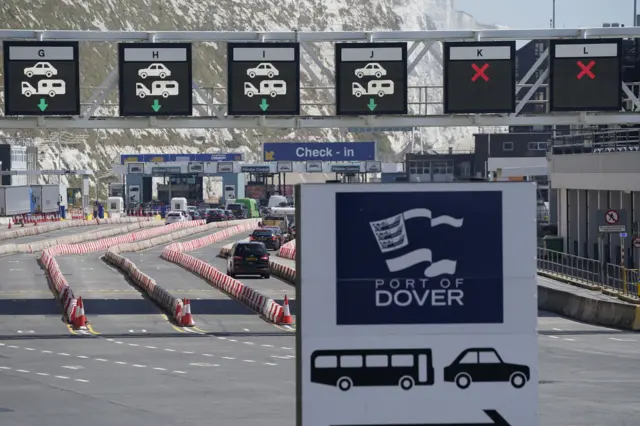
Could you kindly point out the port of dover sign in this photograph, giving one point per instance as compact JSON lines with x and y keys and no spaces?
{"x":417,"y":305}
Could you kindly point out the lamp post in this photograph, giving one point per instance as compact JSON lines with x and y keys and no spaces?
{"x":553,"y":14}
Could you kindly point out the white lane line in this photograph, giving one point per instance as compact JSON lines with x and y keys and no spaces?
{"x":284,"y":347}
{"x":120,"y":362}
{"x":29,"y":349}
{"x":556,"y":329}
{"x":570,"y":340}
{"x":248,"y":343}
{"x":554,"y":337}
{"x":5,"y":368}
{"x":63,"y":354}
{"x":248,"y":360}
{"x":227,"y":357}
{"x":151,"y":347}
{"x":622,"y":340}
{"x":100,"y":359}
{"x":170,"y":350}
{"x":82,"y":356}
{"x":81,"y":380}
{"x":232,"y":340}
{"x":42,"y":374}
{"x":133,"y":344}
{"x":179,"y":372}
{"x":160,"y":369}
{"x":1,"y":344}
{"x":47,"y":352}
{"x":188,"y":352}
{"x":61,"y":377}
{"x":12,"y":346}
{"x":139,"y":366}
{"x":222,"y":338}
{"x":207,"y":355}
{"x":23,"y":371}
{"x":267,"y":346}
{"x":270,"y":363}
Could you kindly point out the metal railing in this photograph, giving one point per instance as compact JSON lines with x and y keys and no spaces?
{"x":594,"y":142}
{"x":590,"y":272}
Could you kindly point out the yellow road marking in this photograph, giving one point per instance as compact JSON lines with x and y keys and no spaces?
{"x":200,"y":330}
{"x":175,"y":327}
{"x":91,"y":330}
{"x":71,"y":330}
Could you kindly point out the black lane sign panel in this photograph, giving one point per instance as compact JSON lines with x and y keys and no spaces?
{"x":479,"y":77}
{"x":155,"y":79}
{"x":263,"y":78}
{"x":41,"y":78}
{"x":371,"y":78}
{"x":586,"y":75}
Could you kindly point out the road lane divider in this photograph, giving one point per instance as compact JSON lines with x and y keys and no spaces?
{"x":41,"y":229}
{"x":288,"y":250}
{"x":284,"y":272}
{"x":10,"y":249}
{"x":59,"y":284}
{"x":171,"y":305}
{"x":176,"y":253}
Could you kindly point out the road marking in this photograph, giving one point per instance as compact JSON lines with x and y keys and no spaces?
{"x":47,"y":352}
{"x":139,"y":366}
{"x":570,"y":340}
{"x":159,"y":368}
{"x":248,"y":360}
{"x":73,"y":367}
{"x":228,"y":357}
{"x":120,"y":362}
{"x":248,"y":343}
{"x":180,"y":372}
{"x":188,"y":352}
{"x":5,"y":368}
{"x":270,"y":363}
{"x":267,"y":346}
{"x":133,"y":344}
{"x":83,"y":356}
{"x":284,"y":347}
{"x":207,"y":355}
{"x":23,"y":371}
{"x":100,"y":359}
{"x":42,"y":374}
{"x":246,"y":329}
{"x":62,"y":377}
{"x":29,"y":349}
{"x":151,"y":347}
{"x":622,"y":340}
{"x":13,"y":347}
{"x":557,"y":329}
{"x":554,"y":337}
{"x":170,"y":350}
{"x":81,"y":380}
{"x":63,"y":354}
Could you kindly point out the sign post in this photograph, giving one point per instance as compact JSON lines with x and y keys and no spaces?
{"x":612,"y":221}
{"x":406,"y":314}
{"x":41,"y":78}
{"x":586,"y":75}
{"x":371,"y":78}
{"x":263,"y":78}
{"x":479,"y":77}
{"x":155,"y":79}
{"x":322,"y":151}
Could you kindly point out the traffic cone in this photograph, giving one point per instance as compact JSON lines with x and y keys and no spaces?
{"x":187,"y":319}
{"x":287,"y":319}
{"x":10,"y":223}
{"x":80,"y":320}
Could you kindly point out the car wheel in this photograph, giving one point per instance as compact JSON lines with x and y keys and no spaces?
{"x":165,"y":94}
{"x":143,"y":75}
{"x":381,"y":93}
{"x":406,"y":383}
{"x":52,"y":94}
{"x":142,"y":95}
{"x":344,"y":383}
{"x":378,"y":74}
{"x":274,"y":94}
{"x":252,"y":74}
{"x":29,"y":74}
{"x":359,"y":75}
{"x":463,"y":380}
{"x":358,"y":94}
{"x":27,"y":93}
{"x":49,"y":74}
{"x":266,"y":276}
{"x":518,"y":380}
{"x":162,"y":75}
{"x":270,"y":75}
{"x":250,"y":94}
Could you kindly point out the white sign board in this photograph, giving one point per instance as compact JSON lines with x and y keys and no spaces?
{"x":442,"y":331}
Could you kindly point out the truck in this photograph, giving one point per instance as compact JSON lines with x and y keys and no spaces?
{"x":15,"y":200}
{"x":46,"y":198}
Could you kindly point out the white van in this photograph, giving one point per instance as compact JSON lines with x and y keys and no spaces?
{"x":276,"y":200}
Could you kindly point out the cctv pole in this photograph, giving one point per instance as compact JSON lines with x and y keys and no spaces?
{"x":553,"y":14}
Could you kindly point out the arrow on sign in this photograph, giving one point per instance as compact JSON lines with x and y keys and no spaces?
{"x":372,"y":104}
{"x":496,"y":420}
{"x":264,"y":105}
{"x":156,"y":105}
{"x":43,"y":105}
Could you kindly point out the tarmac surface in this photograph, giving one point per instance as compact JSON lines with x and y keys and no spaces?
{"x":166,"y":377}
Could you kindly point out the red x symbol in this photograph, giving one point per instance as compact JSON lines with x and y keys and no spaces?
{"x":479,"y":72}
{"x":586,"y":70}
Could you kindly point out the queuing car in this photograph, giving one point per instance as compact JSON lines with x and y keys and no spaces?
{"x":485,"y":365}
{"x":176,"y":216}
{"x":271,"y":237}
{"x":248,"y":258}
{"x":216,"y":215}
{"x":229,"y":214}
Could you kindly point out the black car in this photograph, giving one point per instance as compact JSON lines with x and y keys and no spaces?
{"x":248,"y":258}
{"x":216,"y":215}
{"x":485,"y":365}
{"x":272,"y":238}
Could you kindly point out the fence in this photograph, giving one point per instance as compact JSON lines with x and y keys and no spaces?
{"x":590,"y":272}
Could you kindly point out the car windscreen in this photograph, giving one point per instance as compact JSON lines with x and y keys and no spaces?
{"x":235,"y":206}
{"x":256,"y":249}
{"x":263,"y":233}
{"x":173,"y":215}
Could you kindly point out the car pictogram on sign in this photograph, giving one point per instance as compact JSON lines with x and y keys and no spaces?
{"x":41,"y":68}
{"x":611,"y":217}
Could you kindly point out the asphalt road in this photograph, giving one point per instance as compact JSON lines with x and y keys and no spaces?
{"x":59,"y":233}
{"x":214,"y":312}
{"x":272,"y":287}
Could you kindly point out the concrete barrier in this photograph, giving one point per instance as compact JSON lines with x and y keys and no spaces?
{"x":284,"y":272}
{"x":170,"y":304}
{"x":10,"y":249}
{"x":288,"y":250}
{"x":61,"y":287}
{"x":41,"y":229}
{"x":176,"y":253}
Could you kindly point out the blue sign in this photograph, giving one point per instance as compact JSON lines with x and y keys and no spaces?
{"x":419,"y":258}
{"x":168,"y":158}
{"x":324,"y":151}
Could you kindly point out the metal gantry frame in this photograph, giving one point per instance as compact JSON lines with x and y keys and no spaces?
{"x":212,"y":113}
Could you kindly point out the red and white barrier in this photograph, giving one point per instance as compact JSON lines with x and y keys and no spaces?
{"x":172,"y":305}
{"x":63,"y":291}
{"x":284,"y":272}
{"x":176,"y":253}
{"x":288,"y":250}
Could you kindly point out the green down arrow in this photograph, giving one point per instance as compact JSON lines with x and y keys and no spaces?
{"x":372,"y":104}
{"x":43,"y":105}
{"x":264,"y":105}
{"x":156,"y":105}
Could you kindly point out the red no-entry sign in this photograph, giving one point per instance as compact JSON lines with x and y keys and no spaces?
{"x":480,"y":72}
{"x":585,"y":70}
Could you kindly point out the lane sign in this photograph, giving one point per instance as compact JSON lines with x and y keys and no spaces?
{"x":371,"y":78}
{"x":41,"y":78}
{"x":263,"y":78}
{"x":586,"y":75}
{"x":479,"y":77}
{"x":611,"y":217}
{"x":155,"y":79}
{"x":415,"y":318}
{"x":636,"y":242}
{"x":612,"y":221}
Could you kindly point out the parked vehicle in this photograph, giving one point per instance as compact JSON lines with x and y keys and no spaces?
{"x":176,"y":216}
